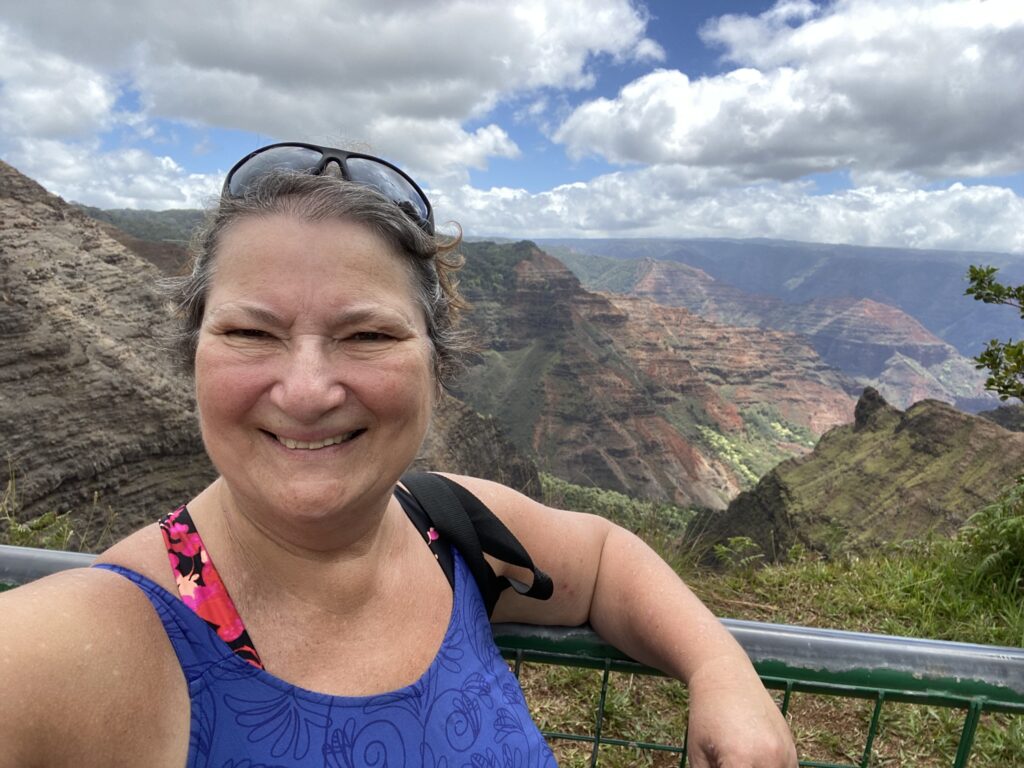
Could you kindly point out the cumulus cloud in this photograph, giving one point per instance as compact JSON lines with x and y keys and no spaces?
{"x":897,"y":96}
{"x":675,"y":201}
{"x":929,"y":87}
{"x":82,"y":173}
{"x":352,"y":71}
{"x":47,"y":95}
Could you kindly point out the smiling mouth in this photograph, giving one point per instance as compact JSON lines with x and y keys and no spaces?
{"x":300,"y":445}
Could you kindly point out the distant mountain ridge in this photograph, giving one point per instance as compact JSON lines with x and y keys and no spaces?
{"x":172,"y":226}
{"x":875,"y":344}
{"x":926,"y":284}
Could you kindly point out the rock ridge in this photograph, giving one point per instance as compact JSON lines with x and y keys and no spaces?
{"x":889,"y":477}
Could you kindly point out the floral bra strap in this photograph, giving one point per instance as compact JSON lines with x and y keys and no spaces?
{"x":200,"y":586}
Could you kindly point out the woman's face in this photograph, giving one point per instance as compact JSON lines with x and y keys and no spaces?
{"x":313,"y":367}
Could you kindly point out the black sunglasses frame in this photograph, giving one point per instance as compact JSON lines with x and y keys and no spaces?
{"x":341,"y":156}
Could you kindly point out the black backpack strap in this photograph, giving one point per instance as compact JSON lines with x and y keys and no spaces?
{"x":474,"y":529}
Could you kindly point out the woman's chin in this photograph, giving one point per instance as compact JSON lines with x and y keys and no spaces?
{"x":325,"y":505}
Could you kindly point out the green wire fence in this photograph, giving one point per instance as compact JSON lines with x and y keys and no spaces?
{"x":884,"y":670}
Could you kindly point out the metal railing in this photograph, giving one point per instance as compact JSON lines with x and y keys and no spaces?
{"x":882,"y":669}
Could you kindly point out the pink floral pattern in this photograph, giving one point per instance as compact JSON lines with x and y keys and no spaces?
{"x":200,"y":586}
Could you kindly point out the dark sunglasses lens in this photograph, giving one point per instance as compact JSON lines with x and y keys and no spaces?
{"x":299,"y":159}
{"x":390,"y":183}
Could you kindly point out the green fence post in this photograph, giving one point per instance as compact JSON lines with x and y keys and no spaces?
{"x":872,"y":730}
{"x":963,"y":752}
{"x":600,"y":713}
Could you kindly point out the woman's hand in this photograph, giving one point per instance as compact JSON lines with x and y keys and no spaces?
{"x":734,"y":723}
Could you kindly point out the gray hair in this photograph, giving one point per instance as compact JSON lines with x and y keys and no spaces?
{"x":432,"y":260}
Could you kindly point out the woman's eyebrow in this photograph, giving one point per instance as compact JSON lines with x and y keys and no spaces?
{"x":364,"y":314}
{"x":260,"y":314}
{"x":351,"y":316}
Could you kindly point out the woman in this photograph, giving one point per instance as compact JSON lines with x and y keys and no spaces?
{"x":304,"y":619}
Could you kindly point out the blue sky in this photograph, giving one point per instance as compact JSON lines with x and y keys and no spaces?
{"x":876,"y":122}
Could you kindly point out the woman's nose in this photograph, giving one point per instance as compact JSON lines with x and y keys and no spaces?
{"x":309,"y":385}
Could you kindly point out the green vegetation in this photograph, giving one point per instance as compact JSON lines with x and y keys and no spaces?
{"x":657,"y":523}
{"x":53,"y":530}
{"x":500,"y":387}
{"x":896,"y":476}
{"x":964,"y":588}
{"x":490,"y":268}
{"x":767,"y":438}
{"x":993,"y":543}
{"x":598,"y":273}
{"x":732,"y":452}
{"x":1004,"y":360}
{"x":174,"y":226}
{"x":739,"y":553}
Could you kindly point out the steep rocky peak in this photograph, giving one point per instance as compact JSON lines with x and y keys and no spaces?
{"x":541,"y":268}
{"x":872,"y":411}
{"x":17,"y":186}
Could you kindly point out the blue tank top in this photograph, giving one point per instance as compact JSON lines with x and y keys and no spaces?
{"x":466,"y":711}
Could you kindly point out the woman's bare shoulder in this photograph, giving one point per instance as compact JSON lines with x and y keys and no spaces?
{"x":145,"y":553}
{"x":68,"y":642}
{"x":81,"y":618}
{"x":566,"y":545}
{"x":66,"y":600}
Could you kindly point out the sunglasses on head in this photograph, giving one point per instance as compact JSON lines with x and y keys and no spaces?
{"x":358,"y":168}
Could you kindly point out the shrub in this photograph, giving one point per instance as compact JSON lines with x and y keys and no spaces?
{"x":992,"y":541}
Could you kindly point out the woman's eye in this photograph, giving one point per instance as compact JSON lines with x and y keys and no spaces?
{"x":370,"y":336}
{"x":248,"y":333}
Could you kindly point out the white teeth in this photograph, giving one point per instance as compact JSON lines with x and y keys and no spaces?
{"x":304,"y":446}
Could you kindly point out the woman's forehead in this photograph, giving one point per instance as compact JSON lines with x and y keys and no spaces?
{"x":295,"y":246}
{"x":285,"y":263}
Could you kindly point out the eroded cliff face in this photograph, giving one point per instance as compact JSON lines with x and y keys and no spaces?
{"x":93,"y":414}
{"x":91,"y":408}
{"x":890,"y":476}
{"x":626,"y":394}
{"x":462,"y":441}
{"x":874,"y":343}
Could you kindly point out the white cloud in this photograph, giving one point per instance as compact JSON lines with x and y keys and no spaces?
{"x":355,"y":70}
{"x":901,"y":95}
{"x":674,"y":201}
{"x":931,"y":87}
{"x":47,"y":95}
{"x":129,"y":178}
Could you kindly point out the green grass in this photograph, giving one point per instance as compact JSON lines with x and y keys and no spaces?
{"x":88,"y":531}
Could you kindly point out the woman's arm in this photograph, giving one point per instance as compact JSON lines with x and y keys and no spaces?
{"x":608,"y":577}
{"x":87,"y":677}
